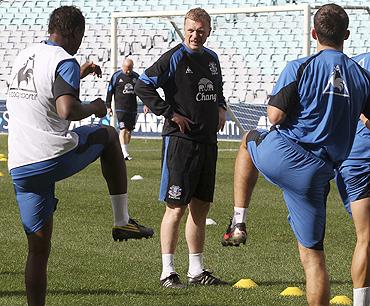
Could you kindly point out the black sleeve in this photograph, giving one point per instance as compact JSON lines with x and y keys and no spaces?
{"x":366,"y":110}
{"x":150,"y":97}
{"x":153,"y":77}
{"x":61,"y":88}
{"x":221,"y":99}
{"x":286,"y":99}
{"x":110,"y":91}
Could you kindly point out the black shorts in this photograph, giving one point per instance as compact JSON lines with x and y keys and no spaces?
{"x":188,"y":170}
{"x":126,"y":120}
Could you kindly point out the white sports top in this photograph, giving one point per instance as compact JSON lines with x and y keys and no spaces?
{"x":36,"y":132}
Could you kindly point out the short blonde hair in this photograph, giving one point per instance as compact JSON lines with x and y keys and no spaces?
{"x":198,"y":14}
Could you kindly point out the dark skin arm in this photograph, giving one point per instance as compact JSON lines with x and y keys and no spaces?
{"x":69,"y":108}
{"x":90,"y":68}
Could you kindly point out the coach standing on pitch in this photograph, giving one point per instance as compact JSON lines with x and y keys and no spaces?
{"x":121,"y":86}
{"x":194,"y":108}
{"x":314,"y":107}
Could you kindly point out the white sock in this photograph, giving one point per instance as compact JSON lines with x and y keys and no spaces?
{"x":361,"y":296}
{"x":120,"y":209}
{"x":195,"y":264}
{"x":168,"y":265}
{"x":124,"y":148}
{"x":240,"y":215}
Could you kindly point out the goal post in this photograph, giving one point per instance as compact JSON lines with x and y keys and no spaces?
{"x":253,"y":44}
{"x":248,"y":10}
{"x":171,"y":14}
{"x":305,"y":8}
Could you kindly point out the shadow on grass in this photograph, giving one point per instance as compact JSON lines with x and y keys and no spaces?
{"x":295,"y":282}
{"x":115,"y":292}
{"x":12,"y":293}
{"x":11,"y":273}
{"x":155,"y":292}
{"x":279,"y":282}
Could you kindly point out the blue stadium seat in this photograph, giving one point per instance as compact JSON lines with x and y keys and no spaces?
{"x":246,"y":46}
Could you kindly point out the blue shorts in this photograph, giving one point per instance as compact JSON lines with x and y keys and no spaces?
{"x":353,"y":175}
{"x":303,"y":177}
{"x":34,"y":184}
{"x":353,"y":181}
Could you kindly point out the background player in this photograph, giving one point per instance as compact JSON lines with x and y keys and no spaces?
{"x":121,"y":86}
{"x":353,"y":181}
{"x":191,"y":78}
{"x":42,"y":100}
{"x":316,"y":103}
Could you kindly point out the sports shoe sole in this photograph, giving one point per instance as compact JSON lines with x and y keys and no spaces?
{"x":115,"y":238}
{"x":136,"y":238}
{"x":232,"y":243}
{"x":235,"y":241}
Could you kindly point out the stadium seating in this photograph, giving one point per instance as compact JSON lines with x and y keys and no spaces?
{"x":251,"y":51}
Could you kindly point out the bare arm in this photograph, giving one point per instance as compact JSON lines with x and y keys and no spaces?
{"x":221,"y":118}
{"x":90,"y":68}
{"x":365,"y":121}
{"x":69,"y":108}
{"x":146,"y":109}
{"x":182,"y":122}
{"x":275,"y":115}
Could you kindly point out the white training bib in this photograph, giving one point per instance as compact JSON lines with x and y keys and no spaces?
{"x":36,"y":132}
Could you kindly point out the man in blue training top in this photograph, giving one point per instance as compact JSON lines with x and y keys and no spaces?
{"x":314,"y":107}
{"x":194,"y":108}
{"x":353,"y":181}
{"x":43,"y":98}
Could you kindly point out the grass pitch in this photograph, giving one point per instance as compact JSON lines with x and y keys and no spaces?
{"x":86,"y":267}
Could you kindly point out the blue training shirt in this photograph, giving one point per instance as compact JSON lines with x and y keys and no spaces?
{"x":323,"y":96}
{"x":361,"y":145}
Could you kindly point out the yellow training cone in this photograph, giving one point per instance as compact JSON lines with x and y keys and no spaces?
{"x":292,"y":291}
{"x":341,"y":300}
{"x":245,"y":283}
{"x":3,"y":159}
{"x":2,"y":155}
{"x":1,"y":174}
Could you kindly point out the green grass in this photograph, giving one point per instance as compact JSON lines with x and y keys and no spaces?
{"x":87,"y":268}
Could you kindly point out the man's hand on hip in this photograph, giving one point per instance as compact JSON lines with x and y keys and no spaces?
{"x":182,"y":122}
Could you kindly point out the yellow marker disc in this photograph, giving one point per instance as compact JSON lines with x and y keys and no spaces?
{"x":245,"y":283}
{"x":341,"y":300}
{"x":292,"y":291}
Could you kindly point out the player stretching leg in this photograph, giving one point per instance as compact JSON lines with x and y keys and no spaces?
{"x":236,"y":232}
{"x":43,"y":98}
{"x":314,"y":107}
{"x":353,"y":181}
